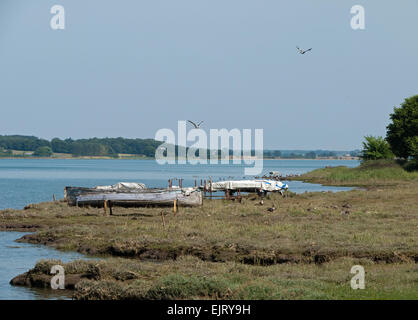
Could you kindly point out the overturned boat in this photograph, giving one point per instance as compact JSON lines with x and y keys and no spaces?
{"x":132,"y":195}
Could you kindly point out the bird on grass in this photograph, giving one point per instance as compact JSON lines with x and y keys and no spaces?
{"x":271,"y":209}
{"x":302,"y":51}
{"x":197,"y":126}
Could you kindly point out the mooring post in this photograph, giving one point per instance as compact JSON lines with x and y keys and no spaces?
{"x":105,"y":206}
{"x":162,"y":218}
{"x":204,"y":188}
{"x":110,"y":208}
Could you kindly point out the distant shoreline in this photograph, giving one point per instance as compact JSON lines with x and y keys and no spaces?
{"x":146,"y":158}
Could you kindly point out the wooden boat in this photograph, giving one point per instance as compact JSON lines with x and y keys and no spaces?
{"x":247,"y":186}
{"x":76,"y":196}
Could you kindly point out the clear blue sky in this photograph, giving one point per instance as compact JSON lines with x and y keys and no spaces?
{"x":130,"y":67}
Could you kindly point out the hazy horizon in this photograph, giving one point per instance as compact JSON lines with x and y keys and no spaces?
{"x":129,"y":68}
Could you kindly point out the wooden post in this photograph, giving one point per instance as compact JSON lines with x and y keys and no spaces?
{"x":110,"y":208}
{"x":204,"y":188}
{"x":175,"y":206}
{"x":162,"y":218}
{"x":54,"y":198}
{"x":105,"y":206}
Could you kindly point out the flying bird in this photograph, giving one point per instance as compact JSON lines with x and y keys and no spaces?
{"x":303,"y":51}
{"x":197,"y":126}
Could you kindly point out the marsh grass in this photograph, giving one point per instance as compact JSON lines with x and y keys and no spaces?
{"x":190,"y":278}
{"x":224,"y":249}
{"x":372,"y":223}
{"x":369,"y":173}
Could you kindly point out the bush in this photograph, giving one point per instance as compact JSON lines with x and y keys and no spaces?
{"x":412,"y":165}
{"x":376,"y":148}
{"x":43,"y":152}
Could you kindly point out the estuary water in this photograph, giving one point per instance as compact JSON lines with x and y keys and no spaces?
{"x":24,"y":181}
{"x":17,"y":258}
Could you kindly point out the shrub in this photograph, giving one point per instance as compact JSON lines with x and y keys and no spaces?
{"x":376,"y":148}
{"x":43,"y":152}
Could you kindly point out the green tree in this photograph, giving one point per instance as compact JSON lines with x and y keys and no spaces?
{"x":375,"y":148}
{"x":43,"y":152}
{"x":61,"y":146}
{"x":402,"y":132}
{"x":310,"y":155}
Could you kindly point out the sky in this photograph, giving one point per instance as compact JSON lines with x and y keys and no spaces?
{"x":131,"y":67}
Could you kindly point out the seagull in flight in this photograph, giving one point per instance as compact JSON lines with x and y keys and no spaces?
{"x":197,"y":126}
{"x":303,"y":51}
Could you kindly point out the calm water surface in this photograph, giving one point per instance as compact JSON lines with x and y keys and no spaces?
{"x":17,"y":258}
{"x":24,"y":181}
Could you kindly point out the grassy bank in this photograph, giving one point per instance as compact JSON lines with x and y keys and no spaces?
{"x":189,"y":277}
{"x":368,"y":174}
{"x":302,"y":250}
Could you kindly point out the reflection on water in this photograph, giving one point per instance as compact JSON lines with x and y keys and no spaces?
{"x":17,"y":258}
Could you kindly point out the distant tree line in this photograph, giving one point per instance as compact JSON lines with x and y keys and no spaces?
{"x":22,"y":143}
{"x":112,"y":147}
{"x":271,"y":154}
{"x":105,"y":146}
{"x":81,"y":147}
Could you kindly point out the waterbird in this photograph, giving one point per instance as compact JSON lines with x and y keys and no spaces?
{"x":302,"y":51}
{"x":197,"y":126}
